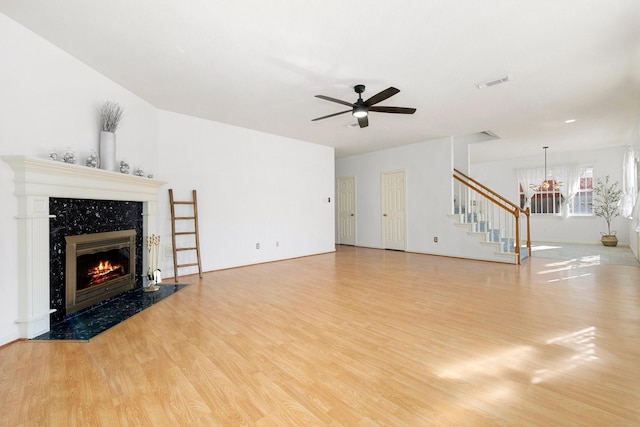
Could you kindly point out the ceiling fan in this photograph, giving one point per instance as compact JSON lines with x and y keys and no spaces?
{"x":360,"y":109}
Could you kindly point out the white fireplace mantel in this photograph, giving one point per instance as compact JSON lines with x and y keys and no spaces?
{"x":36,"y":180}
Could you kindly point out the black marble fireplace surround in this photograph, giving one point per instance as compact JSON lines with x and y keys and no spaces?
{"x":82,"y":216}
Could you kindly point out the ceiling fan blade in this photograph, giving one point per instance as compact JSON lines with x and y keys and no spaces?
{"x":331,"y":115}
{"x":363,"y":121}
{"x":397,"y":110}
{"x":328,"y":98}
{"x":381,"y":96}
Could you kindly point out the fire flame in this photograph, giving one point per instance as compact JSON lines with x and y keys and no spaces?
{"x":105,"y":271}
{"x":105,"y":267}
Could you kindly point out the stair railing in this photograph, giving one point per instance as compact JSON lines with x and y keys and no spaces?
{"x":492,"y":213}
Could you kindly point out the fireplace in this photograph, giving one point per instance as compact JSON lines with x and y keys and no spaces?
{"x":41,"y":278}
{"x":98,"y":266}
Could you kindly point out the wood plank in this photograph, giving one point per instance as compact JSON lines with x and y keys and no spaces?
{"x":356,"y":337}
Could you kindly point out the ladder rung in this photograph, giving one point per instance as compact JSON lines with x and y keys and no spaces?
{"x":188,"y":265}
{"x":185,"y":217}
{"x":186,"y":249}
{"x":182,"y":203}
{"x":185,"y":232}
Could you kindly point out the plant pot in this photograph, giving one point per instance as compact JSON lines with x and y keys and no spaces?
{"x":609,"y":240}
{"x":108,"y":151}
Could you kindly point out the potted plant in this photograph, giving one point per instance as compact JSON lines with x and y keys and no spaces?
{"x":606,"y":204}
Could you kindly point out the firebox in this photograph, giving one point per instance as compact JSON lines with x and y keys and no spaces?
{"x":98,"y":266}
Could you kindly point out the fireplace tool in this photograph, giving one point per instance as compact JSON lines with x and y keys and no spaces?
{"x":153,"y":272}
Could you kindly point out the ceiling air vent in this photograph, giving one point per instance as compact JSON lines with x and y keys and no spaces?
{"x":490,"y":134}
{"x":494,"y":82}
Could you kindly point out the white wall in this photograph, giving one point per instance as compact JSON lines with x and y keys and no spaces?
{"x":428,"y":167}
{"x":253,"y":187}
{"x":51,"y":100}
{"x":501,"y":177}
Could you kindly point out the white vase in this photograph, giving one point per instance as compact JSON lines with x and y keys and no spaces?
{"x":108,"y":151}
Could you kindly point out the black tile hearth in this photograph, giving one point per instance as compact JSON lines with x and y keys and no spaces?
{"x":86,"y":324}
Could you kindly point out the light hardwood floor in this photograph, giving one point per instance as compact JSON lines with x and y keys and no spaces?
{"x":356,"y":337}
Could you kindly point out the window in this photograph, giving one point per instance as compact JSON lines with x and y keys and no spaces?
{"x":581,"y":204}
{"x":570,"y":184}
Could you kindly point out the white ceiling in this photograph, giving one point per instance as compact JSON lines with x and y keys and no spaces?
{"x":258,"y":64}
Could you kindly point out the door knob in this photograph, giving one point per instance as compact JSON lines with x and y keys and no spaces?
{"x":384,"y":214}
{"x":351,"y":214}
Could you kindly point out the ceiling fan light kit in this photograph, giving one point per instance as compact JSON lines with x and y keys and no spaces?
{"x":360,"y":109}
{"x":359,"y":112}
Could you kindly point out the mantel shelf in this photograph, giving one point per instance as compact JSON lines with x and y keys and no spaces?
{"x":43,"y":177}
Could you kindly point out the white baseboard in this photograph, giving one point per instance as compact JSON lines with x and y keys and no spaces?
{"x":6,"y":339}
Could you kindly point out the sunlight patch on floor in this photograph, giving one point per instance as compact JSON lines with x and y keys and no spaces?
{"x":571,"y":264}
{"x":568,"y":278}
{"x":583,"y":346}
{"x":555,"y":357}
{"x":543,"y":248}
{"x":492,"y":364}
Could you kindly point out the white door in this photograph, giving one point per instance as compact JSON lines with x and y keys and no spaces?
{"x":347,"y":210}
{"x":394,"y":210}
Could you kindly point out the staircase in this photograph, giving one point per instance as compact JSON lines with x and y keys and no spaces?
{"x":491,"y":220}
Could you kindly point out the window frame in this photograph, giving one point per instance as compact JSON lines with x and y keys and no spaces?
{"x":586,"y":189}
{"x":584,"y":193}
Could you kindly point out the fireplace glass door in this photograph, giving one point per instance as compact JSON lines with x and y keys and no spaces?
{"x":95,"y":269}
{"x":98,"y":266}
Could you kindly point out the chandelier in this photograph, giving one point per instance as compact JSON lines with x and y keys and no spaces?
{"x":546,"y":184}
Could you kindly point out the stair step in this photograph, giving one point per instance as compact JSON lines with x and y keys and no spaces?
{"x":471,"y":217}
{"x":504,"y":246}
{"x":483,"y":226}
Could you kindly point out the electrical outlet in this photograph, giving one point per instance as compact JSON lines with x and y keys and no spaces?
{"x":435,"y":240}
{"x":257,"y":245}
{"x":277,"y":244}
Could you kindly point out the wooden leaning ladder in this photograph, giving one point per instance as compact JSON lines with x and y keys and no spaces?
{"x":194,"y":232}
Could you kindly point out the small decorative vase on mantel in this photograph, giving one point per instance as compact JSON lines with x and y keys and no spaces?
{"x":110,"y":118}
{"x":107,"y":150}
